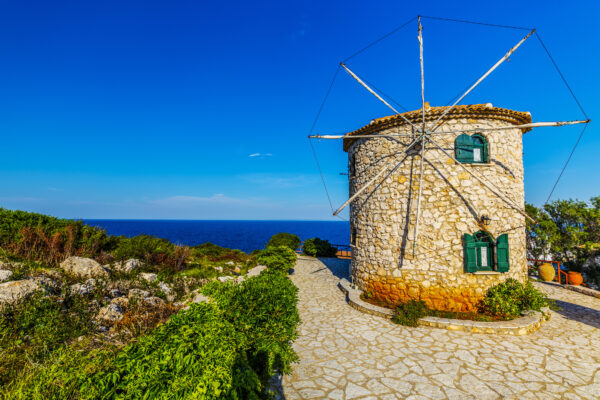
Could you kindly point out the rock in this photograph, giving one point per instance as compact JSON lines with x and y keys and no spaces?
{"x":200,"y":298}
{"x":166,"y":289}
{"x":231,"y":263}
{"x":110,"y":313}
{"x":122,"y":302}
{"x":220,"y":269}
{"x":114,"y":293}
{"x":256,"y":271}
{"x":11,"y":292}
{"x":225,"y":278}
{"x":148,"y":276}
{"x":5,"y":275}
{"x":83,"y":267}
{"x":129,"y":265}
{"x":154,"y":301}
{"x":84,"y":288}
{"x":142,"y":294}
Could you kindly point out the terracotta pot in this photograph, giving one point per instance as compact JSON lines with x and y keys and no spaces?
{"x":575,"y":278}
{"x":546,"y":272}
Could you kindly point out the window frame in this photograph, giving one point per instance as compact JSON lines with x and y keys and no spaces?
{"x":464,"y":146}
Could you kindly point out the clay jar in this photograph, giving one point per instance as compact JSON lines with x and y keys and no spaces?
{"x":546,"y":272}
{"x":575,"y":278}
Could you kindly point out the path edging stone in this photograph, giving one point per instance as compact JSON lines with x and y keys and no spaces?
{"x":528,"y":323}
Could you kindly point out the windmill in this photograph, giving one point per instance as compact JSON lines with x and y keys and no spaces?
{"x":437,"y":198}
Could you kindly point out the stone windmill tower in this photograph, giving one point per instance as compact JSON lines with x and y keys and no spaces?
{"x":437,"y":199}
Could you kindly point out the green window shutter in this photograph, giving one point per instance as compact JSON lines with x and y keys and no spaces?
{"x":470,"y":254}
{"x":502,"y":254}
{"x":463,"y":148}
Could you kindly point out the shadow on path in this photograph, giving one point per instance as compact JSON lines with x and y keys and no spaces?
{"x":339,"y":267}
{"x":582,"y":314}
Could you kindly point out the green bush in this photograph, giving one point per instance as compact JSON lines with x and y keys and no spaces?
{"x":510,"y":298}
{"x":212,"y":252}
{"x":284,"y":239}
{"x":316,"y":247}
{"x":64,"y":376}
{"x":408,"y":314}
{"x":43,"y":238}
{"x":152,"y":250}
{"x":263,"y":310}
{"x":279,"y":258}
{"x":31,"y":330}
{"x":196,"y":355}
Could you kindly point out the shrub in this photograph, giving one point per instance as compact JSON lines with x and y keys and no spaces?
{"x":284,"y":239}
{"x":63,"y":376}
{"x":510,"y":298}
{"x":319,"y":248}
{"x":263,"y":309}
{"x":212,"y":252}
{"x":194,"y":355}
{"x":152,"y":250}
{"x":279,"y":258}
{"x":408,"y":314}
{"x":43,"y":238}
{"x":32,"y":329}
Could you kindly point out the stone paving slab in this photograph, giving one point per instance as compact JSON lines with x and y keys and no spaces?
{"x":345,"y":354}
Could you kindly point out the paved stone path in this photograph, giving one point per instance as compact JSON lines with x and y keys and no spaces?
{"x":345,"y":354}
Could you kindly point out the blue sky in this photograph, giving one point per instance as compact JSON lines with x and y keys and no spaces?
{"x":200,"y":110}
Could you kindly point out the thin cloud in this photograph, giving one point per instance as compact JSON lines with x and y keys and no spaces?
{"x":260,"y":155}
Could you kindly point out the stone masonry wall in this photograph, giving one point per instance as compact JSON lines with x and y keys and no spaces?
{"x":452,"y":201}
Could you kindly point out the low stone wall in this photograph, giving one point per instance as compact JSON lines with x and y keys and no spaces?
{"x":530,"y":322}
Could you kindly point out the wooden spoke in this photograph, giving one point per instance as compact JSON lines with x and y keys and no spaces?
{"x":488,"y":185}
{"x":506,"y":56}
{"x":352,"y":74}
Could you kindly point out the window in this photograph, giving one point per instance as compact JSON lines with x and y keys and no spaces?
{"x":353,"y":238}
{"x":482,"y":253}
{"x":471,"y":149}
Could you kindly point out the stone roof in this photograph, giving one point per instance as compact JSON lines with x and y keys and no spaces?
{"x":473,"y":111}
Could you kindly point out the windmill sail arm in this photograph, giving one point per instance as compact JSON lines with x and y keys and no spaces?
{"x":499,"y":128}
{"x":379,"y":174}
{"x":497,"y":192}
{"x":374,"y":93}
{"x":522,"y":126}
{"x":506,"y":56}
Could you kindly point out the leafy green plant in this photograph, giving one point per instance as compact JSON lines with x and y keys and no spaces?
{"x":32,"y":329}
{"x":510,"y":298}
{"x":279,"y":258}
{"x":316,"y":247}
{"x":408,"y":314}
{"x":194,"y":355}
{"x":284,"y":239}
{"x":263,"y":309}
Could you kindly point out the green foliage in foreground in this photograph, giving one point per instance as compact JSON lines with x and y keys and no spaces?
{"x":284,"y":239}
{"x":510,"y":298}
{"x":30,"y":331}
{"x":316,"y":247}
{"x":196,"y":355}
{"x":264,"y":310}
{"x":280,"y":258}
{"x":225,"y":350}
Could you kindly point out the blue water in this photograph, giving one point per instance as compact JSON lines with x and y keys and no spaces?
{"x":243,"y":235}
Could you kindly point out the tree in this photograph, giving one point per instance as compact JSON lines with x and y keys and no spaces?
{"x":577,"y":238}
{"x":540,"y":235}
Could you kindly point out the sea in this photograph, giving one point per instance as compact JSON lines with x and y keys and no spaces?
{"x":243,"y":235}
